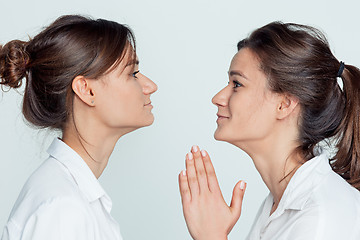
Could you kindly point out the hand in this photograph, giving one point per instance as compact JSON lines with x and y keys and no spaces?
{"x":207,"y":215}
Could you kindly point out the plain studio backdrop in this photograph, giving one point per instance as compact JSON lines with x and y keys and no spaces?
{"x":186,"y":48}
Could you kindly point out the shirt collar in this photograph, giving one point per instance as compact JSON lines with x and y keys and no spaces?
{"x":303,"y":183}
{"x":80,"y":171}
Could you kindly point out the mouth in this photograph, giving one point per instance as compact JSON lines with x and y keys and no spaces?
{"x":221,"y":117}
{"x":148,"y":104}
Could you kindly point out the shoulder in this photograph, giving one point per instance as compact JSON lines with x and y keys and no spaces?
{"x":56,"y":218}
{"x":50,"y":180}
{"x":61,"y":207}
{"x":335,"y":193}
{"x":50,"y":189}
{"x":332,"y":210}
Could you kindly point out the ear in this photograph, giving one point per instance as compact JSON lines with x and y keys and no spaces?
{"x":82,"y":88}
{"x":286,"y":106}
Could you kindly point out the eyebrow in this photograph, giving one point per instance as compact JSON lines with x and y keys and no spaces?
{"x":136,"y":62}
{"x":232,"y":73}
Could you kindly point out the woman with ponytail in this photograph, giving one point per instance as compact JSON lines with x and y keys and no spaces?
{"x":81,"y":77}
{"x":287,"y":95}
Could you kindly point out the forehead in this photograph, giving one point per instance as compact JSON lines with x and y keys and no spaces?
{"x":247,"y":63}
{"x":245,"y":59}
{"x":130,"y":58}
{"x":127,"y":62}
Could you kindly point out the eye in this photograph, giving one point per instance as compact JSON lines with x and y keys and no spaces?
{"x":237,"y":84}
{"x":134,"y":74}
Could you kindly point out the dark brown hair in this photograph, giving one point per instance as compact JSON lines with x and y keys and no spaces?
{"x":71,"y":46}
{"x":298,"y":61}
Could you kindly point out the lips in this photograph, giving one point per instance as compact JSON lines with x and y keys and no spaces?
{"x":221,"y":116}
{"x":148,"y":104}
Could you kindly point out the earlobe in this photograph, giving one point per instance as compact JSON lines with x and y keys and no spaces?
{"x":82,"y":88}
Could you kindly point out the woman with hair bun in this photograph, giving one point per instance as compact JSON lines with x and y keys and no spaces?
{"x":287,"y":94}
{"x":82,"y":78}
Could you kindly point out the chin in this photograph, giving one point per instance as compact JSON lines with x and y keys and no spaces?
{"x":133,"y":127}
{"x":218,"y":136}
{"x":221,"y":136}
{"x":146,"y":123}
{"x":150,"y":121}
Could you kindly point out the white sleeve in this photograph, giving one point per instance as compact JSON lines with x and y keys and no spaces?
{"x":310,"y":227}
{"x":59,"y":219}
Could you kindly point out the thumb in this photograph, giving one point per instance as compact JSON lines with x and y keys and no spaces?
{"x":237,"y":198}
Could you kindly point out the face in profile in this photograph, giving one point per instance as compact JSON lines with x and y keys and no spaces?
{"x":246,"y":106}
{"x":123,"y":97}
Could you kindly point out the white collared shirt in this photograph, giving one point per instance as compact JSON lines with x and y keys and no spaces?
{"x":62,"y":200}
{"x":317,"y":204}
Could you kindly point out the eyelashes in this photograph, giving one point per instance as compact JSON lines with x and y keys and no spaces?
{"x":236,"y":84}
{"x":134,"y":74}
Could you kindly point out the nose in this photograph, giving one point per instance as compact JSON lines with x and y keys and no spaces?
{"x":149,"y":87}
{"x":221,"y":98}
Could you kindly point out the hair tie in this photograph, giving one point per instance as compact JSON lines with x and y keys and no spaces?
{"x":341,"y":69}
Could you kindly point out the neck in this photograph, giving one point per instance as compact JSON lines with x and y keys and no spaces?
{"x":275,"y":159}
{"x":94,"y":146}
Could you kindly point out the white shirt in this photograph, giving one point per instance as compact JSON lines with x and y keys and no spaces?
{"x":316,"y":204}
{"x":63,"y":200}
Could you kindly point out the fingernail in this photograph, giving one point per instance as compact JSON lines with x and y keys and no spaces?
{"x":190,"y":156}
{"x":195,"y":148}
{"x":203,"y":153}
{"x":183,"y":172}
{"x":242,"y":185}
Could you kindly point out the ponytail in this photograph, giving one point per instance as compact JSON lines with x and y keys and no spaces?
{"x":347,"y":158}
{"x":13,"y":61}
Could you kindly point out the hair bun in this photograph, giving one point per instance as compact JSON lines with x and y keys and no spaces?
{"x":13,"y":61}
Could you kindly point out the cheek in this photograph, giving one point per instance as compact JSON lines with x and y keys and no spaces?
{"x":251,"y":115}
{"x":120,"y":104}
{"x":127,"y":100}
{"x":262,"y":118}
{"x":243,"y":105}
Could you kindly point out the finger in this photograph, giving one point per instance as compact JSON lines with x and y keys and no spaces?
{"x":200,"y":170}
{"x":210,"y":172}
{"x":184,"y":188}
{"x":191,"y":176}
{"x":237,"y":199}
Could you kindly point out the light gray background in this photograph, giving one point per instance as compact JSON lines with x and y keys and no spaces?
{"x":185,"y":47}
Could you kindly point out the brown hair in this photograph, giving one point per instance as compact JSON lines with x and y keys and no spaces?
{"x":73,"y":45}
{"x":298,"y":61}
